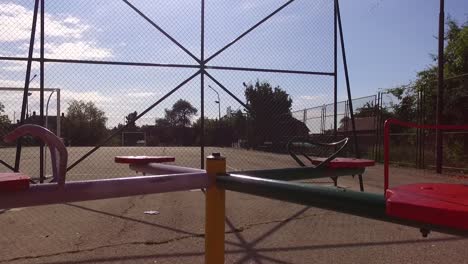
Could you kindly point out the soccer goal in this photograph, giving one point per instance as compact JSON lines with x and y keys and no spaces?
{"x":11,"y":104}
{"x":133,"y":139}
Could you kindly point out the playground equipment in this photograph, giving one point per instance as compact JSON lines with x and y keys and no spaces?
{"x":437,"y":203}
{"x":303,"y":146}
{"x":16,"y":191}
{"x":451,"y":217}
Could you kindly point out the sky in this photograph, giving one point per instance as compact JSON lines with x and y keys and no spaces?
{"x":387,"y":42}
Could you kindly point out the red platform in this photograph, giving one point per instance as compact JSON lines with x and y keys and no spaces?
{"x":433,"y":203}
{"x":12,"y":182}
{"x":143,"y":159}
{"x":345,"y":163}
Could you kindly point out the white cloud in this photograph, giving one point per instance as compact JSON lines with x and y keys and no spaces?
{"x":93,"y":96}
{"x":11,"y":83}
{"x":77,"y":50}
{"x":71,"y":20}
{"x":142,"y":94}
{"x":13,"y":68}
{"x":256,"y":4}
{"x":65,"y":35}
{"x":17,"y":66}
{"x":16,"y":20}
{"x":311,"y":97}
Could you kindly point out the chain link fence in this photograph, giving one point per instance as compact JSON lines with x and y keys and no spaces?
{"x":417,"y":147}
{"x":139,"y":81}
{"x":410,"y":147}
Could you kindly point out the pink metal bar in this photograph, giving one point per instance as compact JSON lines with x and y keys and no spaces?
{"x":157,"y":169}
{"x":392,"y":121}
{"x":58,"y":151}
{"x":143,"y":159}
{"x":76,"y":191}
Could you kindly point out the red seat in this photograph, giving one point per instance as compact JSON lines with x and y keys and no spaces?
{"x":345,"y":163}
{"x":432,"y":203}
{"x":143,"y":159}
{"x":14,"y":181}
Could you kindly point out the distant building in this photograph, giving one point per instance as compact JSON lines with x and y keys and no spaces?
{"x":51,"y":122}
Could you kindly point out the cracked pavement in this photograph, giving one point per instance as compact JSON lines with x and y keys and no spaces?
{"x":258,"y":230}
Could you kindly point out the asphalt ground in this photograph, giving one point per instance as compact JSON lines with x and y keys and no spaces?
{"x":258,"y":230}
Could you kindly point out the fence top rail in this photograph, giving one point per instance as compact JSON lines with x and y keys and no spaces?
{"x":392,"y":121}
{"x":330,"y":104}
{"x":29,"y":89}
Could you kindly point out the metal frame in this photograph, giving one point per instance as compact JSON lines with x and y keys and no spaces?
{"x":200,"y":63}
{"x":368,"y":205}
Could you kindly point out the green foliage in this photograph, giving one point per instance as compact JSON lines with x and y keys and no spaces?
{"x":224,"y":131}
{"x":456,"y":83}
{"x":130,"y":119}
{"x":85,"y":124}
{"x":4,"y":120}
{"x":270,"y":114}
{"x":456,"y":51}
{"x":371,"y":110}
{"x":264,"y":100}
{"x":179,"y":116}
{"x":238,"y":122}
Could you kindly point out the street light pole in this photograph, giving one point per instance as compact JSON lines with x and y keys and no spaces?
{"x":218,"y":102}
{"x":47,"y":126}
{"x":47,"y":109}
{"x":29,"y":94}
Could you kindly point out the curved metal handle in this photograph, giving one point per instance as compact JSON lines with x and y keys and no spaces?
{"x":343,"y":143}
{"x":59,"y":160}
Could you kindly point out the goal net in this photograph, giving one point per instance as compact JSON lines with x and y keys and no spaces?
{"x":133,"y":139}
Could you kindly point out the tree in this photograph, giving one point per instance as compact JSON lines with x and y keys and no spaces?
{"x":130,"y":119}
{"x":4,"y":120}
{"x":264,"y":100}
{"x":224,"y":131}
{"x":162,"y":122}
{"x":179,"y":116}
{"x":238,"y":122}
{"x":456,"y":84}
{"x":270,"y":111}
{"x":85,"y":124}
{"x":455,"y":100}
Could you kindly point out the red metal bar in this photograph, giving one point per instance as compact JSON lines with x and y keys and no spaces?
{"x":392,"y":121}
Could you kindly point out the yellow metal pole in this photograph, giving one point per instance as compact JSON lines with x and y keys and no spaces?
{"x":215,"y":211}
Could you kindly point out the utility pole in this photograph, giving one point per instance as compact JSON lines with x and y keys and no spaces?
{"x":440,"y":90}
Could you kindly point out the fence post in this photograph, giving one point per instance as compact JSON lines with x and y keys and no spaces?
{"x":215,"y":211}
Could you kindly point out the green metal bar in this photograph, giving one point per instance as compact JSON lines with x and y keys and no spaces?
{"x":291,"y":174}
{"x":368,"y":205}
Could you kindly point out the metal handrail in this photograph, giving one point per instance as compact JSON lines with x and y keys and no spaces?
{"x":290,"y":144}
